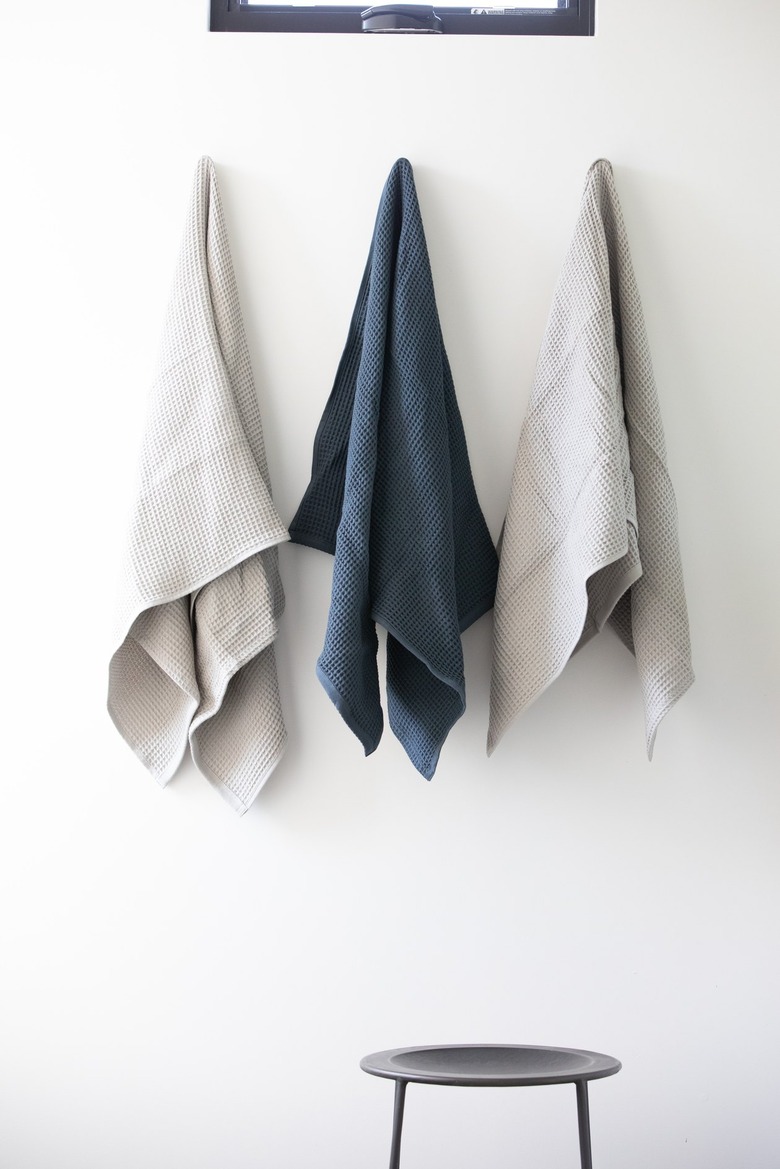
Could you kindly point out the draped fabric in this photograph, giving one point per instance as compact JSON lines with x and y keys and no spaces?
{"x":392,"y":497}
{"x":590,"y":534}
{"x":201,"y":595}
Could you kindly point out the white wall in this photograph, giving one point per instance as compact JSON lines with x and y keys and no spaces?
{"x":181,"y":987}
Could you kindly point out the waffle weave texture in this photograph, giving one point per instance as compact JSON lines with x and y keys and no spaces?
{"x":591,"y":528}
{"x":392,"y":496}
{"x":201,"y":595}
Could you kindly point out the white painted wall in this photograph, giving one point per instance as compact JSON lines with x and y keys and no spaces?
{"x":181,"y":987}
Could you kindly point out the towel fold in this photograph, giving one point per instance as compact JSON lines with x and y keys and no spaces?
{"x":392,"y":496}
{"x":201,"y":594}
{"x":591,"y":529}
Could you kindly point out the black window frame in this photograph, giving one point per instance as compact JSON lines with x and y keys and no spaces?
{"x":238,"y":16}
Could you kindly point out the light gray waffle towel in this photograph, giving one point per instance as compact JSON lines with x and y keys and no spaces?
{"x":201,"y":594}
{"x":591,"y":529}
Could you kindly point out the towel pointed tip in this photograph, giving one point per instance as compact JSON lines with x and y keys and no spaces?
{"x":403,"y":167}
{"x":205,"y":179}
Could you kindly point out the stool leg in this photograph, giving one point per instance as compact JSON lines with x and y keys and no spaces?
{"x":583,"y":1119}
{"x":398,"y":1120}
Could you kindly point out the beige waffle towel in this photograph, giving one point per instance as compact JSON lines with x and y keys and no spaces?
{"x":201,"y":593}
{"x":591,"y":529}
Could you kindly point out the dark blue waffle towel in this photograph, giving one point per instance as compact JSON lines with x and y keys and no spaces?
{"x":392,"y":496}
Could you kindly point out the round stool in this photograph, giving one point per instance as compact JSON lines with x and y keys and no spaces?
{"x":490,"y":1066}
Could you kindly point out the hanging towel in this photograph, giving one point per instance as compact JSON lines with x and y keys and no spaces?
{"x":201,"y":592}
{"x":591,"y":529}
{"x":391,"y":495}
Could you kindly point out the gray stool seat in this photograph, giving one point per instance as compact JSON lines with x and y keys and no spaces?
{"x":491,"y":1066}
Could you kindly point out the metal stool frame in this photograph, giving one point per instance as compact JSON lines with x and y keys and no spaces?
{"x":491,"y":1066}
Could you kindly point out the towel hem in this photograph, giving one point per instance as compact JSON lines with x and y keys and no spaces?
{"x":230,"y":797}
{"x":683,"y":689}
{"x":583,"y":637}
{"x":161,"y":777}
{"x":311,"y":540}
{"x":599,"y":620}
{"x":200,"y":583}
{"x":458,"y":685}
{"x":346,"y":711}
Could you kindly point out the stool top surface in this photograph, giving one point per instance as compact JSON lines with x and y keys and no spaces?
{"x":490,"y":1065}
